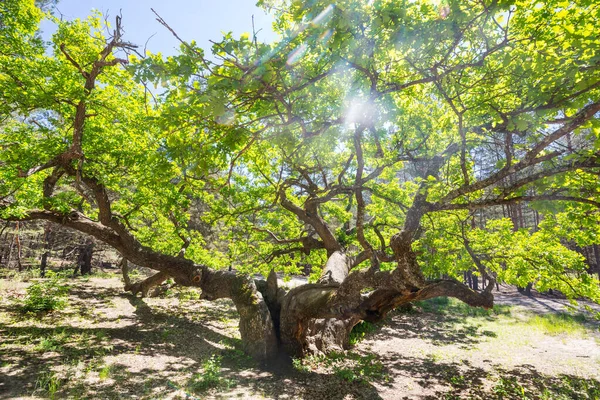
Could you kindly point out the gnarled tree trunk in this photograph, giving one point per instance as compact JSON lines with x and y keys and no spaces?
{"x":301,"y":333}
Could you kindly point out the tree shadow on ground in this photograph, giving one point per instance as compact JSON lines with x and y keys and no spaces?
{"x":444,"y":322}
{"x":436,"y":327}
{"x":36,"y":348}
{"x":170,"y":341}
{"x":33,"y":351}
{"x":458,"y":380}
{"x":59,"y":355}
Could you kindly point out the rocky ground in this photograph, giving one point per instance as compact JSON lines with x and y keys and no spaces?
{"x":108,"y":345}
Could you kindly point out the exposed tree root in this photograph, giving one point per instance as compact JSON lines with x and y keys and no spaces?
{"x":143,"y":287}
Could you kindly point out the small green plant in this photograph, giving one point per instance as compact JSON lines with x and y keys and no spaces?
{"x":359,"y":332}
{"x":347,"y":374}
{"x":187,"y":294}
{"x":349,"y":366}
{"x":299,"y":365}
{"x":103,"y":350}
{"x":46,"y":295}
{"x":100,"y":334}
{"x":509,"y":388}
{"x":104,"y":372}
{"x":457,"y":380}
{"x":49,"y":383}
{"x":47,"y":344}
{"x":361,"y":369}
{"x":210,"y":377}
{"x":25,"y":275}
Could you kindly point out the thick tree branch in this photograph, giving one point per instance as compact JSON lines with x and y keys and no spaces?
{"x":513,"y":200}
{"x":531,"y":157}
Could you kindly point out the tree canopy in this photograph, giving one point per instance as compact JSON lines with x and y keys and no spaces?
{"x":376,"y":144}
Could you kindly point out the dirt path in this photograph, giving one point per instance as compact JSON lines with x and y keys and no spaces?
{"x":108,"y":345}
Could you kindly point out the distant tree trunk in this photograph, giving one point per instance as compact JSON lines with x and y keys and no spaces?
{"x":84,"y":262}
{"x":44,"y":261}
{"x":520,"y":214}
{"x":15,"y":242}
{"x":536,"y":219}
{"x":475,"y":282}
{"x":597,"y":257}
{"x":18,"y":243}
{"x":468,"y":279}
{"x":43,"y":264}
{"x":3,"y":249}
{"x":526,"y":290}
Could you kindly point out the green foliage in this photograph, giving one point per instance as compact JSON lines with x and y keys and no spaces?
{"x":515,"y":257}
{"x":187,"y":294}
{"x":361,"y":330}
{"x":509,"y":388}
{"x":299,"y":365}
{"x":210,"y":377}
{"x":45,"y":295}
{"x":105,"y":372}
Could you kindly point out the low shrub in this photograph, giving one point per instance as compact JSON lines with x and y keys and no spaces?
{"x":45,"y":295}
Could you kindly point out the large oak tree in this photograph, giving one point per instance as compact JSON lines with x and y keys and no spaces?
{"x":372,"y":145}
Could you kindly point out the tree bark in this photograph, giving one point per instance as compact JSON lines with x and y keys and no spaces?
{"x":256,"y":325}
{"x":300,"y":332}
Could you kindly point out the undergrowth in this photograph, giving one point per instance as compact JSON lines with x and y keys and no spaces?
{"x":349,"y":366}
{"x":361,"y":330}
{"x":45,"y":295}
{"x":210,"y":377}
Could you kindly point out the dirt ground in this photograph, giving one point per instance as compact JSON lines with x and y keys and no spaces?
{"x":109,"y":345}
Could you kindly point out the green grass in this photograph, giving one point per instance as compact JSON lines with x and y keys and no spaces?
{"x":48,"y":344}
{"x":547,"y":388}
{"x":53,"y":341}
{"x":447,"y":305}
{"x":549,"y":324}
{"x":509,"y":388}
{"x":49,"y":383}
{"x":559,"y":324}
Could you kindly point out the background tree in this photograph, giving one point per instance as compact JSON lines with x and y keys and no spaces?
{"x":365,"y":144}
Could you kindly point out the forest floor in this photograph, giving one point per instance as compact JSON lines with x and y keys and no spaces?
{"x":109,"y":345}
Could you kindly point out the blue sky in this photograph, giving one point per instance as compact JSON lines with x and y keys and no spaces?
{"x":200,"y":20}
